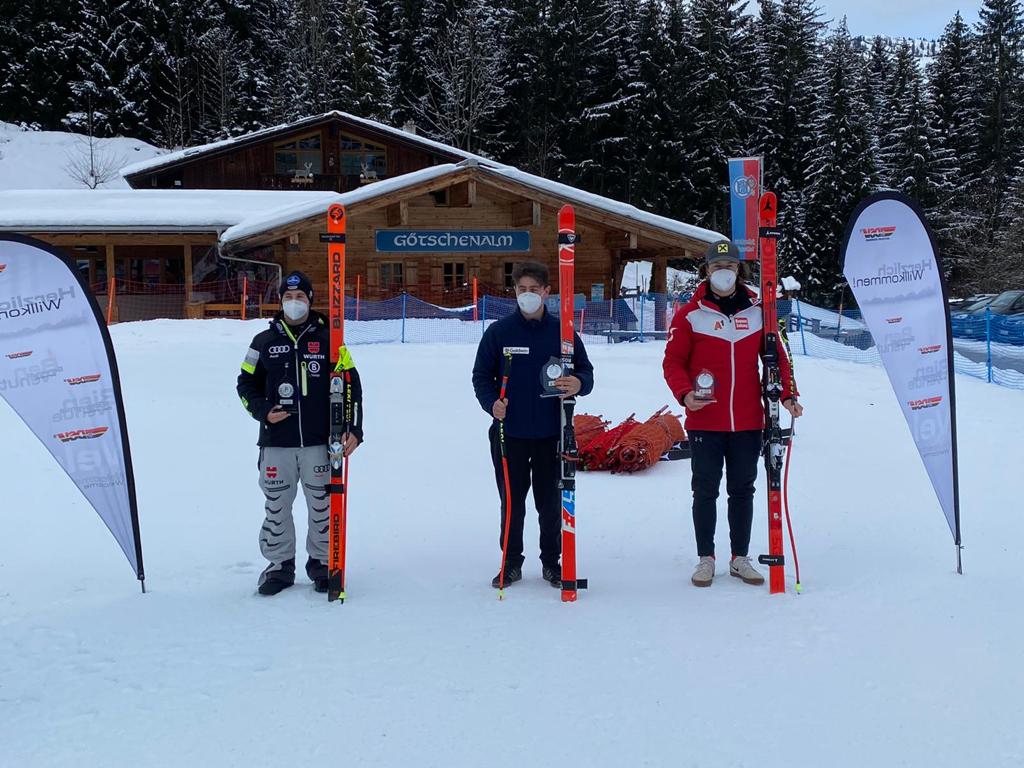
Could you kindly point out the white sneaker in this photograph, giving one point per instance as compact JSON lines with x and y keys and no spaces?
{"x":742,"y":568}
{"x":704,"y":572}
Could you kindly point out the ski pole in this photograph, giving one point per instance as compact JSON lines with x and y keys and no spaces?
{"x":785,"y":505}
{"x":508,"y":484}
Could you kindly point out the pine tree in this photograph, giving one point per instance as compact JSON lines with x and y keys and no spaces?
{"x":1000,"y":34}
{"x":891,"y":115}
{"x":720,"y":37}
{"x":952,"y":82}
{"x":789,"y":57}
{"x":842,"y":167}
{"x":94,"y":104}
{"x":406,"y":54}
{"x":526,"y":131}
{"x":364,"y":80}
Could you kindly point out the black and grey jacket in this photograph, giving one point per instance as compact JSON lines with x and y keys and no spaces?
{"x":299,"y":357}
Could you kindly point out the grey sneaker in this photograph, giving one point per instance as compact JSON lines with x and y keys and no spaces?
{"x":704,"y":572}
{"x":742,"y":568}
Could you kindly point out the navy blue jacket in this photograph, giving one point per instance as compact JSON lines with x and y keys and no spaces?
{"x":529,"y":415}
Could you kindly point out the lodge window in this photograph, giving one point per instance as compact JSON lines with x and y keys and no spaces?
{"x":454,"y":274}
{"x":509,"y":282}
{"x":291,"y":156}
{"x":359,"y":156}
{"x":391,"y":274}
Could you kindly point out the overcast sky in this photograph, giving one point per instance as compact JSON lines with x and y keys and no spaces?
{"x":899,"y":18}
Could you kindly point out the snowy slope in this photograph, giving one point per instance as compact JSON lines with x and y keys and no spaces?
{"x":888,"y":658}
{"x":38,"y":159}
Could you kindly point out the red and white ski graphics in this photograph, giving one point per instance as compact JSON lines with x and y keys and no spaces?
{"x":337,"y":488}
{"x":567,"y":446}
{"x":772,"y":392}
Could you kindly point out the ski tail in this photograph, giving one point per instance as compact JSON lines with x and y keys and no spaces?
{"x":568,"y":451}
{"x":340,"y":405}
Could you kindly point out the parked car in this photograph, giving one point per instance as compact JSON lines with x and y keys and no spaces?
{"x":1007,"y":303}
{"x":971,"y":303}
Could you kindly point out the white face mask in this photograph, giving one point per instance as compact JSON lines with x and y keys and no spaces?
{"x":529,"y":302}
{"x":294,"y":309}
{"x":723,"y":280}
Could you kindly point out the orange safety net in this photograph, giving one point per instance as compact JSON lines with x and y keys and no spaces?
{"x":632,"y":446}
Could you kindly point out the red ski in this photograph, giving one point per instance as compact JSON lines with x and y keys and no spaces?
{"x":567,"y":445}
{"x":340,"y":394}
{"x":772,"y":392}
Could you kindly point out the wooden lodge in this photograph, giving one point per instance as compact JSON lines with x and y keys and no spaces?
{"x":424,"y":218}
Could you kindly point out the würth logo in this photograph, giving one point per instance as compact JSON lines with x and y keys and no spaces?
{"x":314,"y":347}
{"x":16,"y":355}
{"x":83,"y":379}
{"x":873,"y":234}
{"x":81,"y":434}
{"x":893,"y":320}
{"x":928,"y":402}
{"x":271,"y":472}
{"x":930,"y":349}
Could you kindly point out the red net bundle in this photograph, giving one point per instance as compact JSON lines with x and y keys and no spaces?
{"x":588,"y":428}
{"x":631,"y":446}
{"x":597,"y":452}
{"x":643,"y":446}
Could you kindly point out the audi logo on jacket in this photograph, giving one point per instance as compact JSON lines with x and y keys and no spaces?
{"x":702,"y":337}
{"x":299,"y":356}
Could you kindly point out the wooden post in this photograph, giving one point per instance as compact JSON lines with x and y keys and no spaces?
{"x":111,"y":287}
{"x":111,"y":270}
{"x":476,"y":312}
{"x":245,"y":294}
{"x":188,"y":273}
{"x":359,"y":285}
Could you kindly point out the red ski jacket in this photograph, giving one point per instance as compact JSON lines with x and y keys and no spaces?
{"x":702,"y":338}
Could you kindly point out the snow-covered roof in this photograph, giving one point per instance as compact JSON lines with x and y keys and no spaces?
{"x":154,"y":210}
{"x":306,"y":209}
{"x":626,"y":211}
{"x":238,"y":215}
{"x":174,"y":157}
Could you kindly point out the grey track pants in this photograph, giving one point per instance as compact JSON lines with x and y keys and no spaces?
{"x":281,"y":472}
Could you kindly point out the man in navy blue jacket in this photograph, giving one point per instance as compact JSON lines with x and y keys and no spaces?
{"x":532,"y":423}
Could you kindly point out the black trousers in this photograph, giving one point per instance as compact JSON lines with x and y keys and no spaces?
{"x":739,"y":451}
{"x":536,"y":463}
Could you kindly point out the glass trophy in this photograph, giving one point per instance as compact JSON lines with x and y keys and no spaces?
{"x":551,"y":371}
{"x":704,"y":387}
{"x":286,"y":397}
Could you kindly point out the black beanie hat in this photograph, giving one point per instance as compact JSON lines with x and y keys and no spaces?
{"x":297,"y":281}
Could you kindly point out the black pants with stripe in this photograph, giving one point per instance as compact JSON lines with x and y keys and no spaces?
{"x":739,"y":451}
{"x":536,"y":463}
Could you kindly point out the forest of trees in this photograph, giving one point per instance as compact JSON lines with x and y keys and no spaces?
{"x":638,"y":100}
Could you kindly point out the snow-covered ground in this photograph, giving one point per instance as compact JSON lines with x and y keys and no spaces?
{"x":40,"y":159}
{"x":888,"y":658}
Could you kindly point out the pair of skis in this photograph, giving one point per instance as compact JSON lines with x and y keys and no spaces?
{"x":340,"y":406}
{"x":567,"y":449}
{"x":775,"y":445}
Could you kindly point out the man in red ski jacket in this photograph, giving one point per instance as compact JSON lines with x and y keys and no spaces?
{"x":711,"y":366}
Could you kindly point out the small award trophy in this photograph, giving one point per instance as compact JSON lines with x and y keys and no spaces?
{"x":704,"y":387}
{"x":286,"y":397}
{"x":551,"y":371}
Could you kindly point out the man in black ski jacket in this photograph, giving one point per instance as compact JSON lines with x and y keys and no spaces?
{"x":532,"y":422}
{"x":284,"y":385}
